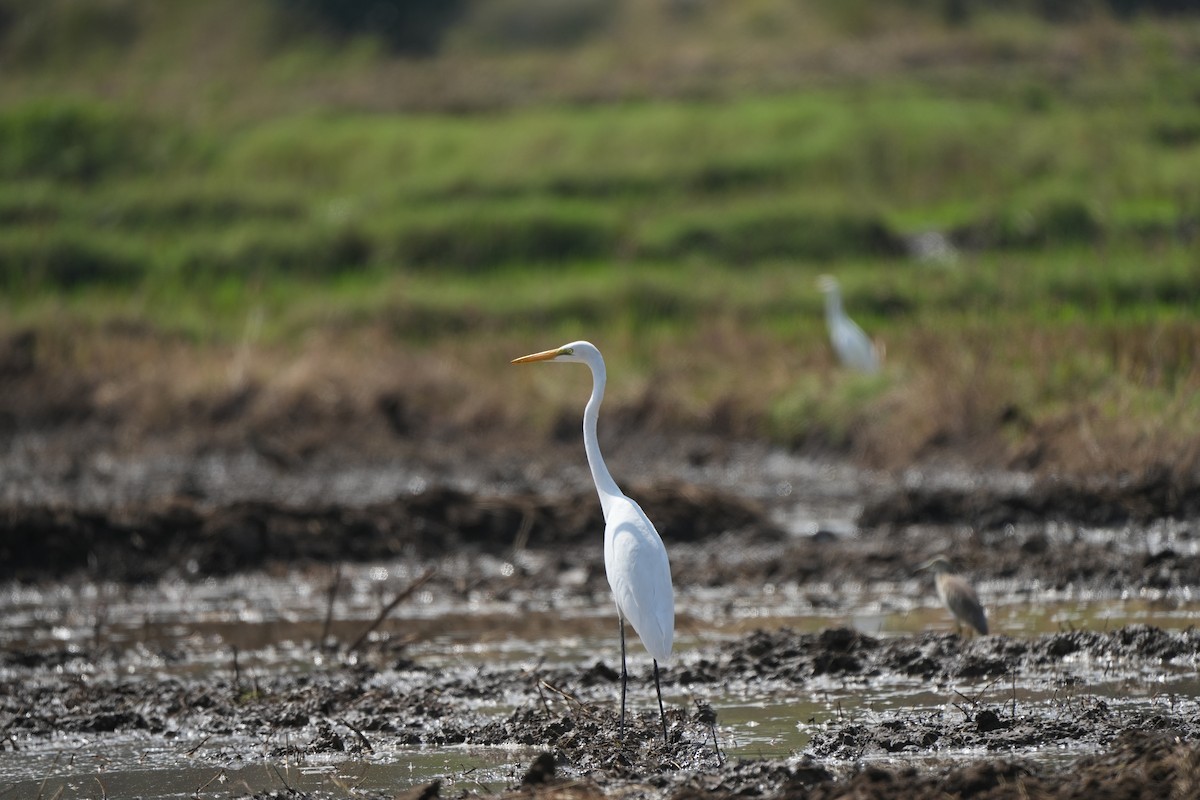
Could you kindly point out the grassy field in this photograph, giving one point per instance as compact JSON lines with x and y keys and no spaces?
{"x":311,"y":232}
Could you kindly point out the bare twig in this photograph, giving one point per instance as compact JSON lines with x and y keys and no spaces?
{"x":359,"y":734}
{"x":707,"y":715}
{"x":237,"y":673}
{"x":400,"y":597}
{"x":334,"y":585}
{"x":1014,"y":694}
{"x":522,"y":537}
{"x":98,"y":624}
{"x":203,"y":741}
{"x":282,"y":780}
{"x":208,"y":783}
{"x":567,"y":696}
{"x":542,"y":695}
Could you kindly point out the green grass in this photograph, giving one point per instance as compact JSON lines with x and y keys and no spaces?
{"x":812,"y":177}
{"x":682,"y":234}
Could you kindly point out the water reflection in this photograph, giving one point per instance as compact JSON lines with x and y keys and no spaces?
{"x":125,"y":766}
{"x":272,"y":621}
{"x":258,"y":613}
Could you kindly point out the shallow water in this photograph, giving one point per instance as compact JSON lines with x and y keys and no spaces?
{"x":270,"y":621}
{"x":122,"y":765}
{"x":261,"y":624}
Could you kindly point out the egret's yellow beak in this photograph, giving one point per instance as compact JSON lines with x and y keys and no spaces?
{"x":545,"y":355}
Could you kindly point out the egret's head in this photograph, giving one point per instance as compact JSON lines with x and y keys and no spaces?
{"x":827,"y":283}
{"x":936,"y":565}
{"x":580,"y":352}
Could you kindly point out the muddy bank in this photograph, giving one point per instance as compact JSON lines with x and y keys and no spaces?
{"x":385,"y":692}
{"x":715,"y":539}
{"x":1138,"y":765}
{"x":184,"y":537}
{"x":1154,"y":493}
{"x":386,"y":699}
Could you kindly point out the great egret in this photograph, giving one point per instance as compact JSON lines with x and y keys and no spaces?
{"x":957,"y":595}
{"x":635,"y":559}
{"x":849,"y":342}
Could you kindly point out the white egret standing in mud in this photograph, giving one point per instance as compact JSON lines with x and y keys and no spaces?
{"x":635,"y":559}
{"x":852,"y":346}
{"x":957,"y":595}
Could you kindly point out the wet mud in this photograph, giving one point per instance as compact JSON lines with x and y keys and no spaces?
{"x":717,"y":538}
{"x":1154,"y":493}
{"x":69,"y":519}
{"x":182,"y":535}
{"x":343,"y":708}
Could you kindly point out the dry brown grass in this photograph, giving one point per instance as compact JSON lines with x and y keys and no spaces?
{"x":1063,"y":400}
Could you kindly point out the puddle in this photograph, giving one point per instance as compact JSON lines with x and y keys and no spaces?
{"x":128,"y":767}
{"x":270,"y":621}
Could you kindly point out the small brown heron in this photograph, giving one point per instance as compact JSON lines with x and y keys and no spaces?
{"x":957,"y":595}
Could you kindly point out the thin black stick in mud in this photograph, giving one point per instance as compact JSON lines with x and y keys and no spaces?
{"x":359,"y":734}
{"x":282,"y":780}
{"x":237,"y":673}
{"x":208,"y":783}
{"x":542,"y":695}
{"x":334,"y":584}
{"x":98,"y":624}
{"x":624,"y":673}
{"x":570,"y":698}
{"x":706,"y":715}
{"x":400,"y":597}
{"x":1014,"y":693}
{"x":203,"y":741}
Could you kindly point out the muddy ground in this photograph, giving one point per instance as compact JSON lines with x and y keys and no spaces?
{"x":568,"y":713}
{"x":77,"y":508}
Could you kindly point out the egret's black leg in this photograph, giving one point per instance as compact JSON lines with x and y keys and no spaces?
{"x":662,"y":714}
{"x":624,"y":673}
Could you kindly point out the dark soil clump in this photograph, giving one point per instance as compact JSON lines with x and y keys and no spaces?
{"x":1156,"y":493}
{"x":189,"y":538}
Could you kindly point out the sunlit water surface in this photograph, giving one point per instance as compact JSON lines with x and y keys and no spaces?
{"x":272,"y":621}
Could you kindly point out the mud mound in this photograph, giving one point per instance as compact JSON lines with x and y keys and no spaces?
{"x":1157,"y":493}
{"x":569,"y":715}
{"x":187,"y":538}
{"x":1137,"y":765}
{"x":784,"y":655}
{"x":977,"y":727}
{"x":418,"y":706}
{"x":589,"y":738}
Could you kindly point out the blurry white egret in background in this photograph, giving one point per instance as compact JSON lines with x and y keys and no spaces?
{"x":849,"y":342}
{"x":957,"y":595}
{"x":635,"y":559}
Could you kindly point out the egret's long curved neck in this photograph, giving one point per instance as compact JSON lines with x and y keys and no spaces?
{"x":833,"y":304}
{"x":606,"y":487}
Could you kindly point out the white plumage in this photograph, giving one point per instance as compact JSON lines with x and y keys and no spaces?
{"x":852,"y":346}
{"x":635,"y":559}
{"x":639,"y":574}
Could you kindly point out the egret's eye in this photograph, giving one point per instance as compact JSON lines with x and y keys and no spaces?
{"x":567,"y":351}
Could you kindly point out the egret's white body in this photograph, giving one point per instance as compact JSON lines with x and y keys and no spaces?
{"x":957,"y":595}
{"x":635,"y":559}
{"x":852,"y":346}
{"x":639,"y":574}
